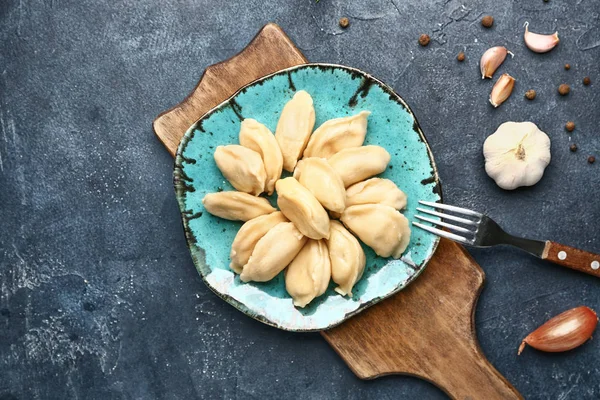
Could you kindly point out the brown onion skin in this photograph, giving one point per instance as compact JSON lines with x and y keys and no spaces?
{"x":564,"y":332}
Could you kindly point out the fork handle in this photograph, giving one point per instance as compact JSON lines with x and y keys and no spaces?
{"x":573,"y":258}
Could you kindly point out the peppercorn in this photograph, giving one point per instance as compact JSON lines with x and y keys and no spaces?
{"x":573,"y":148}
{"x":545,"y":1}
{"x":570,"y":126}
{"x":461,"y":56}
{"x":530,"y":94}
{"x":344,"y":22}
{"x":567,"y":66}
{"x":564,"y":89}
{"x":591,"y":159}
{"x":487,"y":21}
{"x":424,"y":40}
{"x":587,"y":81}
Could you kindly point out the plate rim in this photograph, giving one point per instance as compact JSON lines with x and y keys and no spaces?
{"x":194,"y":249}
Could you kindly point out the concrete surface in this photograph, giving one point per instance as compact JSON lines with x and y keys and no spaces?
{"x":98,"y":295}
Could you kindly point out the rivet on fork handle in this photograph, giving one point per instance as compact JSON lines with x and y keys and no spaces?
{"x":573,"y":258}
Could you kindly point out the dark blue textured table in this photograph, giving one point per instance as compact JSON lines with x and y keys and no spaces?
{"x":98,"y":295}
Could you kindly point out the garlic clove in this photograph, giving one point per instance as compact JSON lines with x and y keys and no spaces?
{"x":236,"y":206}
{"x":242,"y":167}
{"x":273,"y":252}
{"x":259,"y":138}
{"x":540,"y":43}
{"x":309,"y":273}
{"x":359,"y":163}
{"x":247,"y":237}
{"x":320,"y":178}
{"x":564,"y":332}
{"x":502,"y":89}
{"x":301,"y":207}
{"x":491,"y":60}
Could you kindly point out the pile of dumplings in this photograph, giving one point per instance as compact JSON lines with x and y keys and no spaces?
{"x":332,"y":179}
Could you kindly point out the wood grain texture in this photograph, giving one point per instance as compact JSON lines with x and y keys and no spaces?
{"x":426,"y":330}
{"x":270,"y":51}
{"x":571,"y":257}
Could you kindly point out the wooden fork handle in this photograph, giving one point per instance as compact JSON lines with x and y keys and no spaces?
{"x":573,"y":258}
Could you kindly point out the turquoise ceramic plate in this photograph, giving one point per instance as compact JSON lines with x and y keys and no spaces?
{"x":337,"y":91}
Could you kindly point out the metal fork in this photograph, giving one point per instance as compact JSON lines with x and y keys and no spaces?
{"x":479,"y":230}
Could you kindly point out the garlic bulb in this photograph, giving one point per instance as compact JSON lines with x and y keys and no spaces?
{"x":236,"y":206}
{"x":320,"y":178}
{"x":273,"y":252}
{"x":259,"y":138}
{"x":347,"y":258}
{"x":294,"y":128}
{"x":380,"y":227}
{"x":301,"y":207}
{"x":337,"y":134}
{"x":308,"y":274}
{"x":376,"y":191}
{"x":247,"y":237}
{"x":359,"y":163}
{"x":242,"y":167}
{"x":516,"y":154}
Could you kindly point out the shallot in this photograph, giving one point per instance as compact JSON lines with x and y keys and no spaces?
{"x":564,"y":332}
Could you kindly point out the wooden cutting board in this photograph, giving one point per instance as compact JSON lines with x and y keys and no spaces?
{"x":427,"y":330}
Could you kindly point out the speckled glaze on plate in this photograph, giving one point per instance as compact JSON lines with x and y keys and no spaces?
{"x":337,"y":91}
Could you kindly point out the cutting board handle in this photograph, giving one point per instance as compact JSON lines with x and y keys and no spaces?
{"x":474,"y":377}
{"x":426,"y":330}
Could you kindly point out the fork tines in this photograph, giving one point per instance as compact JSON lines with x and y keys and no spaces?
{"x":471,"y":224}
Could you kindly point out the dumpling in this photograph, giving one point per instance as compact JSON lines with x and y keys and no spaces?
{"x":242,"y":167}
{"x":376,"y":191}
{"x":259,"y":138}
{"x":273,"y":252}
{"x":380,"y":227}
{"x":337,"y":134}
{"x":247,"y":237}
{"x":347,"y":258}
{"x":308,"y":274}
{"x":301,"y":207}
{"x":320,"y":178}
{"x":359,"y":163}
{"x":236,"y":206}
{"x":294,"y":128}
